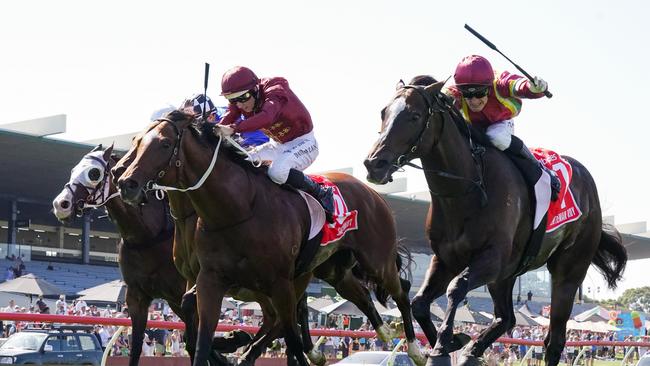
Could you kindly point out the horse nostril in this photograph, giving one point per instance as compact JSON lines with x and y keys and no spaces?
{"x":65,"y":205}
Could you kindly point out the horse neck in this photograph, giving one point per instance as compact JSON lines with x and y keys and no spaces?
{"x":452,"y":154}
{"x":228,"y":185}
{"x":132,"y":223}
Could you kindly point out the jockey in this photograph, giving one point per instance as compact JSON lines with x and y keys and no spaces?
{"x":270,"y":105}
{"x":491,"y":104}
{"x":195,"y":104}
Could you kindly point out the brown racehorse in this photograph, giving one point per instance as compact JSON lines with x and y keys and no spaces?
{"x":480,"y":220}
{"x":250,"y":229}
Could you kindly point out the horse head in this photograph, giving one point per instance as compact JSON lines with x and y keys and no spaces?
{"x":407,"y":130}
{"x":88,"y":185}
{"x":156,"y":157}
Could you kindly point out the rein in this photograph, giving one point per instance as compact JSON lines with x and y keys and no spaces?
{"x":440,"y":106}
{"x":152,"y":185}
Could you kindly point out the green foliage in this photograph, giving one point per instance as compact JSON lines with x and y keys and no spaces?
{"x":636,"y":299}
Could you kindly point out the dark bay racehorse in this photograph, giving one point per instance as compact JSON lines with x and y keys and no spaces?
{"x":145,"y":253}
{"x":250,"y":230}
{"x":480,"y":220}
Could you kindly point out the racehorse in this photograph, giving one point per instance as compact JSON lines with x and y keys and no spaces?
{"x":145,"y":255}
{"x":250,"y":229}
{"x":480,"y":220}
{"x":145,"y":252}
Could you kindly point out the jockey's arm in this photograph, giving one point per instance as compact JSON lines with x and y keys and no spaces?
{"x":516,"y":86}
{"x":231,"y":116}
{"x":267,"y":115}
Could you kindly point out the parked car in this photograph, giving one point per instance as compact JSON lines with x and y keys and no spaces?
{"x":52,"y":346}
{"x":378,"y":358}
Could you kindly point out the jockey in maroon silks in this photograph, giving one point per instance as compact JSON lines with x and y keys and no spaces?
{"x":269,"y":105}
{"x":491,"y":103}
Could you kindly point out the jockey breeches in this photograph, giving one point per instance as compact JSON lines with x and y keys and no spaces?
{"x":298,"y":153}
{"x":500,"y":133}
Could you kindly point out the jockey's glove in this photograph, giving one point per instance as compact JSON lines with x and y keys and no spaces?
{"x":223,"y":130}
{"x":538,"y":85}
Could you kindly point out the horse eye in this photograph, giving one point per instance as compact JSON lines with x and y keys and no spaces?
{"x":94,"y":174}
{"x":415,"y":117}
{"x":166,"y":144}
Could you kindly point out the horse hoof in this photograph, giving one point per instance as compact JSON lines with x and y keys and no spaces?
{"x":316,"y":357}
{"x":443,"y":360}
{"x":469,"y":360}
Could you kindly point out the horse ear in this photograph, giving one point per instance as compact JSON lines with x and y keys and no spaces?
{"x":108,"y":152}
{"x":400,"y":84}
{"x":434,"y":88}
{"x":97,"y":148}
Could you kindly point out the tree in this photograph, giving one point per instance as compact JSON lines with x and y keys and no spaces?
{"x":636,"y":299}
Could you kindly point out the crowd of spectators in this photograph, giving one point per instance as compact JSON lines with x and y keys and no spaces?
{"x":161,"y":342}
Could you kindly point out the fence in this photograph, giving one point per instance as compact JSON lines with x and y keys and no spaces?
{"x":123,"y":323}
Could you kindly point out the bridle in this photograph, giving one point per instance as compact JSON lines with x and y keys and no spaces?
{"x":174,"y":160}
{"x":440,"y":104}
{"x":98,"y":195}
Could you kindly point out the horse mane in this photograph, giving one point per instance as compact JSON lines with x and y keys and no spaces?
{"x":203,"y":131}
{"x":477,"y":134}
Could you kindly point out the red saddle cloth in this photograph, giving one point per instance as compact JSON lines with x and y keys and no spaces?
{"x":344,"y":219}
{"x":565,"y":209}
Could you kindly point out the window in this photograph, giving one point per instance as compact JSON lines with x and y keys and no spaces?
{"x":87,"y":343}
{"x":55,"y":342}
{"x":70,"y":343}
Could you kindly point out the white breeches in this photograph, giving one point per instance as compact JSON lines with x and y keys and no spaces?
{"x":500,"y":132}
{"x":298,"y":153}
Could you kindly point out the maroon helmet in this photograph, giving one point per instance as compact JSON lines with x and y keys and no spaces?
{"x":474,"y":70}
{"x":238,"y":81}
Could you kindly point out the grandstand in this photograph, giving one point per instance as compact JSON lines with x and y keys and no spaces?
{"x":34,"y":169}
{"x":69,"y":277}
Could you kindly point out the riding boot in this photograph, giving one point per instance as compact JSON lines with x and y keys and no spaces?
{"x":532,"y":168}
{"x":322,"y":194}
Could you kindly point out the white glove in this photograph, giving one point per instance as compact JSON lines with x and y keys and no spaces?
{"x":223,"y":130}
{"x":538,"y":85}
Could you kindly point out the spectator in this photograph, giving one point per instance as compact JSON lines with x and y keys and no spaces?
{"x":147,"y":346}
{"x":50,"y":267}
{"x":10,"y":274}
{"x":42,"y":306}
{"x":9,"y":326}
{"x":529,"y":295}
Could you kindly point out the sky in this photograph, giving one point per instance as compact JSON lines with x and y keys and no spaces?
{"x":108,"y":64}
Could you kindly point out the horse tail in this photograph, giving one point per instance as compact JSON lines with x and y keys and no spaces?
{"x":403,"y":262}
{"x":611,"y":257}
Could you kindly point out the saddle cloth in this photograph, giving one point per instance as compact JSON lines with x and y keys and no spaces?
{"x":344,"y":219}
{"x":565,"y":209}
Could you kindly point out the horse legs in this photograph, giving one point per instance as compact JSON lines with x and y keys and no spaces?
{"x":566,"y":275}
{"x":483,"y":269}
{"x":210,"y":292}
{"x":284,"y":302}
{"x":189,"y":316}
{"x":435,"y":283}
{"x":138,"y":304}
{"x":504,"y":319}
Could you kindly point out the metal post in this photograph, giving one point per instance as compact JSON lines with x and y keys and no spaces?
{"x":12,"y":230}
{"x":85,"y":239}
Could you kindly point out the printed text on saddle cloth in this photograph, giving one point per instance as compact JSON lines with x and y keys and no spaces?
{"x":344,"y":220}
{"x":565,"y":209}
